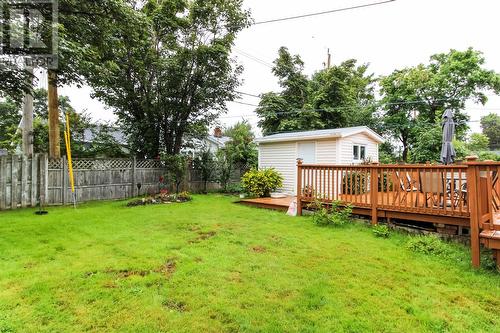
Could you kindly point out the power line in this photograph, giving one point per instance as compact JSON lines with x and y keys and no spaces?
{"x":243,"y":103}
{"x":247,"y":94}
{"x":356,"y":107}
{"x":324,"y":12}
{"x":254,"y":58}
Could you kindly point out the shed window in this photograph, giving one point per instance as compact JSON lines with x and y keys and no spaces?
{"x":358,"y":152}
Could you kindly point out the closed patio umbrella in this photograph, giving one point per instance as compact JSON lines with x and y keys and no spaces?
{"x":447,"y":150}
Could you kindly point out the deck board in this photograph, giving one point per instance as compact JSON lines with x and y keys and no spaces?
{"x":270,"y":203}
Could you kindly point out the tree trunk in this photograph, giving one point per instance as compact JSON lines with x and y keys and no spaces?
{"x":53,"y":103}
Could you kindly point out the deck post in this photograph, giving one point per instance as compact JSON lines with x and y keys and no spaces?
{"x":473,"y":201}
{"x":299,"y":187}
{"x":374,"y":191}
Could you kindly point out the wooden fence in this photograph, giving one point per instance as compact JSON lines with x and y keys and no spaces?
{"x":465,"y":195}
{"x":27,"y":181}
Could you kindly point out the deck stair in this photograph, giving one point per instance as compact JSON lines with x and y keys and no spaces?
{"x":490,"y":238}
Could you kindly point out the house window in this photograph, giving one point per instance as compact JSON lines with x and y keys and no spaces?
{"x":358,"y":152}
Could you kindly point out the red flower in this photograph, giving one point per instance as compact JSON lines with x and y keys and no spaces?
{"x":161,"y":179}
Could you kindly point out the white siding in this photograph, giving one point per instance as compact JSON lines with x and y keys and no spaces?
{"x":326,"y":152}
{"x":358,"y":139}
{"x":282,"y":157}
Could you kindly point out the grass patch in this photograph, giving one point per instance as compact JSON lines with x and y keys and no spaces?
{"x":213,"y":266}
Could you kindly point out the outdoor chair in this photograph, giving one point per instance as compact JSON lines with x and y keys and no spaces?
{"x":495,"y":190}
{"x":405,"y":186}
{"x":432,"y":186}
{"x":460,"y":194}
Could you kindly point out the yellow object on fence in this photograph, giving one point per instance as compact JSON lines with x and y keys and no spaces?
{"x":67,"y":139}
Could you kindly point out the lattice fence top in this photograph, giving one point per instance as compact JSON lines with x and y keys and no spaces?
{"x":55,"y":164}
{"x":90,"y":164}
{"x":148,"y":164}
{"x":105,"y":164}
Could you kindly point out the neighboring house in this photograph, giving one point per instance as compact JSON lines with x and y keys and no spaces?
{"x":89,"y":136}
{"x":341,"y":146}
{"x":212,"y":142}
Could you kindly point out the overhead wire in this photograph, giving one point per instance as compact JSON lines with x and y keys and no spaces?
{"x":323,"y":12}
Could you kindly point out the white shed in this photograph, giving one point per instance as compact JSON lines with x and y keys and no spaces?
{"x":340,"y":146}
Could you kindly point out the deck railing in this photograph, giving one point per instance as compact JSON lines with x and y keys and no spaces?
{"x":469,"y":191}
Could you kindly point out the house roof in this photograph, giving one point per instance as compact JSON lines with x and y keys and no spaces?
{"x":321,"y":134}
{"x":220,"y":142}
{"x":117,"y":134}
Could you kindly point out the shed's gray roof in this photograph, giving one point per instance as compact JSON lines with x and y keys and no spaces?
{"x":321,"y":134}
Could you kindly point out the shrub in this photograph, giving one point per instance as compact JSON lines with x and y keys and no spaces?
{"x":163,"y":197}
{"x":428,"y":245}
{"x":261,"y":182}
{"x":176,"y":167}
{"x":381,"y":230}
{"x":355,"y":183}
{"x":335,"y":216}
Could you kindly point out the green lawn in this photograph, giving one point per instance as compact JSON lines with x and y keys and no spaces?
{"x":214,"y":266}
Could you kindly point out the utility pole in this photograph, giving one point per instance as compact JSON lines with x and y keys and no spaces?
{"x":54,"y":134}
{"x":328,"y":60}
{"x":27,"y":126}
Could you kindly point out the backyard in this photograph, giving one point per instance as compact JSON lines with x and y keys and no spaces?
{"x":215,"y":266}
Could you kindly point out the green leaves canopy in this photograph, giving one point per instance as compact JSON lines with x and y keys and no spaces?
{"x":336,"y":97}
{"x":163,"y":65}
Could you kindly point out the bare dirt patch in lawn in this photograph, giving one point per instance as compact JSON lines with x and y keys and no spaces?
{"x":169,"y":268}
{"x":259,"y":249}
{"x":178,"y":306}
{"x":203,"y":236}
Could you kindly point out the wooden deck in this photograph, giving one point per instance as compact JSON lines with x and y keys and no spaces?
{"x":269,"y":203}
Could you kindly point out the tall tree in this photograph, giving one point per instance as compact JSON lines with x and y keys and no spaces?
{"x":415,"y":98}
{"x":165,"y":67}
{"x":242,"y":147}
{"x":10,"y":112}
{"x":339,"y":96}
{"x":491,"y":128}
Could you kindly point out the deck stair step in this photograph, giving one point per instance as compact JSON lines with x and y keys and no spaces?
{"x":491,"y":239}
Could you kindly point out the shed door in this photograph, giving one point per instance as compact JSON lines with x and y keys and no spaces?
{"x":307,"y":152}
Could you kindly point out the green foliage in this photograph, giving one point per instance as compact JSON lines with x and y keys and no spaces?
{"x":491,"y":128}
{"x":161,"y":199}
{"x":204,"y":162}
{"x":461,"y":150}
{"x":176,"y":169}
{"x":431,"y":245}
{"x":447,"y":82}
{"x":10,"y":116}
{"x":489,"y":156}
{"x":387,"y":153}
{"x":164,"y":66}
{"x":234,"y":188}
{"x":428,"y":145}
{"x":261,"y":182}
{"x":333,"y":215}
{"x":14,"y":81}
{"x":103,"y":143}
{"x":478,"y":142}
{"x":242,"y":147}
{"x":225,"y":166}
{"x":340,"y":92}
{"x":381,"y":230}
{"x":355,"y":183}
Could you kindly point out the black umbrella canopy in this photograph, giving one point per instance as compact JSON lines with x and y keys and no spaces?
{"x":447,"y":150}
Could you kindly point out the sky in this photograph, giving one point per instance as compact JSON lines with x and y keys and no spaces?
{"x":391,"y":36}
